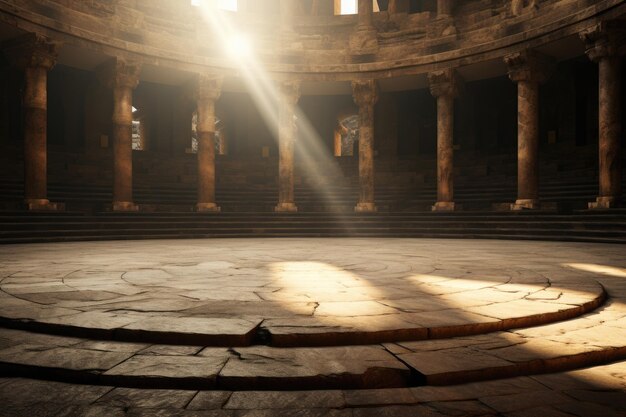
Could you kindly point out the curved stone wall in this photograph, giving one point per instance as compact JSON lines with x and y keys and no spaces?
{"x":175,"y":34}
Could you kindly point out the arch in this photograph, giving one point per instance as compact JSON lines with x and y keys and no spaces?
{"x":346,"y":132}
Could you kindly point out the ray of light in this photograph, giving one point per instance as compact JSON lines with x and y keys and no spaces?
{"x":315,"y":158}
{"x":599,"y":269}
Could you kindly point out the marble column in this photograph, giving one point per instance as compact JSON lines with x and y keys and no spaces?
{"x":365,"y":39}
{"x":35,"y":55}
{"x":209,"y":89}
{"x":122,"y":77}
{"x":289,"y":94}
{"x":603,"y":41}
{"x":365,"y":93}
{"x":528,"y":69}
{"x":444,"y":86}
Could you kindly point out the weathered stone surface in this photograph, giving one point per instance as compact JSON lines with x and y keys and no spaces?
{"x":209,"y":400}
{"x":22,"y":392}
{"x":144,"y":367}
{"x":130,"y":398}
{"x":216,"y":330}
{"x":63,"y":358}
{"x":379,"y":396}
{"x":331,"y":292}
{"x":358,"y":366}
{"x":285,"y":400}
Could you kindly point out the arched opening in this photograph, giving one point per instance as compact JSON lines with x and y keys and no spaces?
{"x":344,"y":7}
{"x":139,"y":136}
{"x":346,"y":134}
{"x":230,"y":5}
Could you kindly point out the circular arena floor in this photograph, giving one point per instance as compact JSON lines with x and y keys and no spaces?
{"x":250,"y":314}
{"x":298,"y":292}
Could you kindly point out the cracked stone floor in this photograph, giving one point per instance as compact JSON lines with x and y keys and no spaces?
{"x":530,"y":307}
{"x":296,"y":287}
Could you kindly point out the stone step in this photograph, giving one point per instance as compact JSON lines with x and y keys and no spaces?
{"x":599,"y":390}
{"x":586,"y":341}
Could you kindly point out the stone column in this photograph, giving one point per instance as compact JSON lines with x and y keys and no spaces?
{"x":365,"y":39}
{"x":603,"y":41}
{"x":35,"y":55}
{"x":444,"y":7}
{"x":289,"y":94}
{"x":528,"y":69}
{"x":122,"y":77}
{"x":398,"y":6}
{"x":444,"y":24}
{"x":209,"y":89}
{"x":365,"y":95}
{"x":444,"y":86}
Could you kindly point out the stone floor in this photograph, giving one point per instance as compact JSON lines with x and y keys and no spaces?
{"x":299,"y":291}
{"x":215,"y":324}
{"x":598,"y":391}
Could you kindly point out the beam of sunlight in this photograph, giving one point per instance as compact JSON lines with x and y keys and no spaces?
{"x":315,"y":158}
{"x":599,"y":269}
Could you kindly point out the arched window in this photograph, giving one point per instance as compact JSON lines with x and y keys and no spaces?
{"x":139,"y":136}
{"x":343,"y":7}
{"x":346,"y":134}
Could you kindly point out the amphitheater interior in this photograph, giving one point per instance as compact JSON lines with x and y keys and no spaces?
{"x":312,"y":208}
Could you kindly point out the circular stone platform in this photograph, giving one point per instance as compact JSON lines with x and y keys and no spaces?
{"x":295,"y":292}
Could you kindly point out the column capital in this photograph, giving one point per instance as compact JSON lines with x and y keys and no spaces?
{"x":529,"y":65}
{"x":208,"y":87}
{"x":365,"y":92}
{"x":31,"y":50}
{"x":605,"y":39}
{"x":118,"y":72}
{"x":290,"y":90}
{"x":444,"y":83}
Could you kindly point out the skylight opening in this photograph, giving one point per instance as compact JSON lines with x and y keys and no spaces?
{"x":229,"y":5}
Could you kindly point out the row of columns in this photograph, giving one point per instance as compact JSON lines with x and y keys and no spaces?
{"x":36,"y":55}
{"x":529,"y":69}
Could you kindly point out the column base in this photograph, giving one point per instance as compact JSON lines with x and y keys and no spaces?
{"x":207,"y":208}
{"x":365,"y":208}
{"x":364,"y":42}
{"x":286,"y":208}
{"x":525,"y":204}
{"x":444,"y":206}
{"x":603,"y":203}
{"x":124,"y":206}
{"x":42,"y":204}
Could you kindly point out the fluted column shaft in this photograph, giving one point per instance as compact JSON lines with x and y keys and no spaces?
{"x":528,"y":69}
{"x":365,"y":95}
{"x":208,"y":92}
{"x":603,"y":43}
{"x":35,"y":55}
{"x":289,"y":94}
{"x":444,"y":86}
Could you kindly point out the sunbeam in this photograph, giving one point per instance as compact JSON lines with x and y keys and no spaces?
{"x":311,"y":148}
